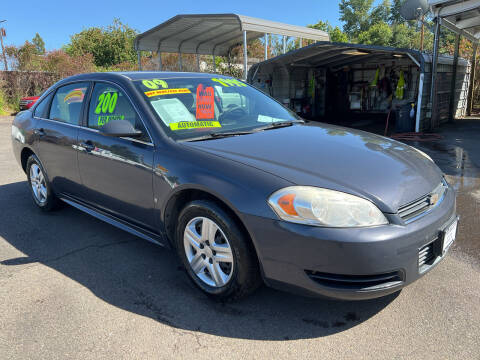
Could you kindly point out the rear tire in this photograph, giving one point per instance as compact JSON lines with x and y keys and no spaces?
{"x":40,"y":186}
{"x":218,"y":257}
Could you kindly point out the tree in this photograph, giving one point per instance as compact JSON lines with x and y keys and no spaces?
{"x":336,"y":35}
{"x":25,"y":57}
{"x":356,"y":16}
{"x":39,"y":44}
{"x":395,"y":16}
{"x":403,"y":36}
{"x":381,"y":13}
{"x":109,"y":46}
{"x":377,"y":34}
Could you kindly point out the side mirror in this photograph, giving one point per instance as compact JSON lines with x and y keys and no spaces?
{"x":120,"y":128}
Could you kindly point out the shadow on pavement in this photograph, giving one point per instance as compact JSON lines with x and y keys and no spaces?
{"x":145,"y":279}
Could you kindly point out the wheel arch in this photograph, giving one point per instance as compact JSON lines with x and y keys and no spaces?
{"x":24,"y":155}
{"x":186,"y":194}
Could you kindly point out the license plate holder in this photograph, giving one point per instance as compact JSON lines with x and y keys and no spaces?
{"x":448,"y":235}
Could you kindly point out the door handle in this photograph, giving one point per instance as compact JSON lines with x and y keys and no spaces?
{"x":87,"y":145}
{"x":39,"y":132}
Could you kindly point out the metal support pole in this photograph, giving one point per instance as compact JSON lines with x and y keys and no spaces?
{"x":472,"y":79}
{"x":159,"y":61}
{"x":301,"y":42}
{"x":198,"y":62}
{"x":245,"y":55}
{"x":214,"y":64}
{"x":180,"y":61}
{"x":139,"y":56}
{"x":266,"y":46}
{"x":433,"y":67}
{"x":3,"y":49}
{"x":284,"y":44}
{"x":453,"y":87}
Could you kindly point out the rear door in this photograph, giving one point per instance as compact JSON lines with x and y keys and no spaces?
{"x":116,"y":172}
{"x":56,"y":136}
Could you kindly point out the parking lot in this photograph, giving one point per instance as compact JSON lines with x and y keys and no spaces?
{"x":75,"y":287}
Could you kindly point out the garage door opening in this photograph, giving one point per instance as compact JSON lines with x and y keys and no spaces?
{"x":362,"y":86}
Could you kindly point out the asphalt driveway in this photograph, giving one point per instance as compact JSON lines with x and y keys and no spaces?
{"x":72,"y":286}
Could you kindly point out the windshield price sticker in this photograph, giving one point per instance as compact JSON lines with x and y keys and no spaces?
{"x":229,"y":82}
{"x":155,"y":84}
{"x":185,"y":125}
{"x":205,"y":103}
{"x":167,"y":92}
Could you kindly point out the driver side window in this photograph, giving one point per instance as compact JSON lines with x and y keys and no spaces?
{"x":109,"y":103}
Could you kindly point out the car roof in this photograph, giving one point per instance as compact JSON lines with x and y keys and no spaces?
{"x":140,"y":75}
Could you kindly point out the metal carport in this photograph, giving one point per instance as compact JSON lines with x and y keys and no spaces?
{"x":216,"y":34}
{"x":283,"y":76}
{"x":462,"y":17}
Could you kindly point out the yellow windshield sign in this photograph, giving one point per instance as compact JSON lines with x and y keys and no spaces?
{"x":155,"y":84}
{"x":185,"y":125}
{"x":229,"y":82}
{"x":167,"y":92}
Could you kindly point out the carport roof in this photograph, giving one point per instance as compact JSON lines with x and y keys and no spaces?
{"x":215,"y":33}
{"x":337,"y":55}
{"x":330,"y":54}
{"x":459,"y":15}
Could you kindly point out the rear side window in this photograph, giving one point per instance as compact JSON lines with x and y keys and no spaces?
{"x":67,"y":103}
{"x":109,"y":103}
{"x":41,"y":111}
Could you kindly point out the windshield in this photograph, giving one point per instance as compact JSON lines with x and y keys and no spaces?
{"x":190,"y":108}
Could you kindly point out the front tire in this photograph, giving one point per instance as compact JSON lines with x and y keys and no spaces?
{"x":40,"y":187}
{"x":218,"y":257}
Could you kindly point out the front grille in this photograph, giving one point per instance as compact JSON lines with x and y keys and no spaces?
{"x":420,"y":206}
{"x":357,"y":282}
{"x":415,"y":208}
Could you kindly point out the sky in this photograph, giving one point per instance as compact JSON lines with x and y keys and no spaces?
{"x":56,"y":21}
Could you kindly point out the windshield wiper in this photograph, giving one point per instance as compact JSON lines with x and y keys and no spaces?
{"x":219,"y":135}
{"x":279,"y":124}
{"x":224,"y":134}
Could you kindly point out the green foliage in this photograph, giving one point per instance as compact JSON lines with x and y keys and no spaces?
{"x":377,"y":34}
{"x":3,"y":104}
{"x":356,"y":16}
{"x":108,"y":46}
{"x":39,"y":44}
{"x":321,"y":25}
{"x":395,"y":17}
{"x":381,"y":13}
{"x":336,"y":35}
{"x":402,"y":36}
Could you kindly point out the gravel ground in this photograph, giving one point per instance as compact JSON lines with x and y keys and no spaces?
{"x":74,"y":287}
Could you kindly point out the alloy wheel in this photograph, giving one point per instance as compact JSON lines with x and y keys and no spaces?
{"x":38,"y":184}
{"x":208,"y":252}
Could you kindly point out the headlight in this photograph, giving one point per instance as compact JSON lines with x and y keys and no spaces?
{"x":322,"y":207}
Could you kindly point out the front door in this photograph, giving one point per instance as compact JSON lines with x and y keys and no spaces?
{"x":116,"y":172}
{"x":56,"y":136}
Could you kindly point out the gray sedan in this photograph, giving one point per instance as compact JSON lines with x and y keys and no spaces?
{"x":242,"y":189}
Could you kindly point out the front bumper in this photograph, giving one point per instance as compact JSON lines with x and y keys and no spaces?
{"x":351,"y":264}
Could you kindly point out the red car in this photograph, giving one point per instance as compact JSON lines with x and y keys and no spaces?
{"x":28,"y":101}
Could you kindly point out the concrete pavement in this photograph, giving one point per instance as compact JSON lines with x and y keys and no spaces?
{"x":74,"y":287}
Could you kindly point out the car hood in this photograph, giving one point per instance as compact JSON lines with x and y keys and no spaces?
{"x":385,"y":171}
